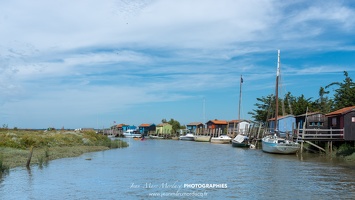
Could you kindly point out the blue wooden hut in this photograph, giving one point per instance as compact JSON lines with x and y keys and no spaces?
{"x":285,"y":124}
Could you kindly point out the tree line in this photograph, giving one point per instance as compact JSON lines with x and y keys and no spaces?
{"x":344,"y":96}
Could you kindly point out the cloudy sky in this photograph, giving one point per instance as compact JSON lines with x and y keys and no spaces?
{"x":88,"y":63}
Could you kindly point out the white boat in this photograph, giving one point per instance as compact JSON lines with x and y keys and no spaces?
{"x":188,"y":137}
{"x":273,"y":143}
{"x":155,"y":137}
{"x":223,"y":139}
{"x":202,"y":138}
{"x":131,"y":133}
{"x":241,"y":141}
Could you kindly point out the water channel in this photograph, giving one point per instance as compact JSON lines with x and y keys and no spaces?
{"x":172,"y":169}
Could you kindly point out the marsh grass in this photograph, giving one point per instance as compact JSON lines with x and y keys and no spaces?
{"x":345,"y":151}
{"x":50,"y":145}
{"x":3,"y":168}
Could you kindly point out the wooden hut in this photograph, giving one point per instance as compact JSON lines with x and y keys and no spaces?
{"x":238,"y":127}
{"x":343,"y":119}
{"x":285,"y":124}
{"x":147,"y":128}
{"x":217,"y":126}
{"x":193,"y":127}
{"x":164,"y":129}
{"x":315,"y":120}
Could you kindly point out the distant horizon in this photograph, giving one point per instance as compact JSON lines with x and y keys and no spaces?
{"x":87,"y":64}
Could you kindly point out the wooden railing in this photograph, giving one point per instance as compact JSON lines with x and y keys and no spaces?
{"x":321,"y":134}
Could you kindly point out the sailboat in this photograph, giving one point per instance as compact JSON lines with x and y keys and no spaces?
{"x":240,"y":140}
{"x":273,"y":143}
{"x":203,"y":138}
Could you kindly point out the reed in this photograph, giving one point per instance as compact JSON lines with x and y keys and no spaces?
{"x":3,"y":168}
{"x":40,"y":160}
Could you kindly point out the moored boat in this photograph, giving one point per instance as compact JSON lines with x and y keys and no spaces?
{"x":131,"y":133}
{"x":202,"y":138}
{"x":241,"y":141}
{"x":155,"y":137}
{"x":273,"y":143}
{"x":223,"y":139}
{"x":188,"y":137}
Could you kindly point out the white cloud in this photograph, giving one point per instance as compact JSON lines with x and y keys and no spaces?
{"x":86,"y":56}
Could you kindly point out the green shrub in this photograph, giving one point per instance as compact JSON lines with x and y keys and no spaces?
{"x":345,"y":150}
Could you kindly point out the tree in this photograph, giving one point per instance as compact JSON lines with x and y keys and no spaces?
{"x":175,"y":125}
{"x":264,"y":109}
{"x":323,"y":103}
{"x":290,"y":105}
{"x":345,"y":93}
{"x":301,"y":105}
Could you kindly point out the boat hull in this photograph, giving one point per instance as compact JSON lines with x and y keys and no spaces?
{"x":221,"y":140}
{"x":241,"y":141}
{"x":187,"y":137}
{"x":155,"y":137}
{"x":242,"y":145}
{"x":202,"y":138}
{"x":132,"y":135}
{"x":271,"y":145}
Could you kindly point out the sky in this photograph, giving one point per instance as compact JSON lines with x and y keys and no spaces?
{"x":93,"y":64}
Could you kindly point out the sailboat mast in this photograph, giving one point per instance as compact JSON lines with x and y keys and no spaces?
{"x":277,"y":89}
{"x":240,"y":95}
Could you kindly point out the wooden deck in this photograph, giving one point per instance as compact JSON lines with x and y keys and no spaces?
{"x":320,"y":135}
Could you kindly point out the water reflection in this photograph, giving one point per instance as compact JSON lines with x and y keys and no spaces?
{"x":248,"y":173}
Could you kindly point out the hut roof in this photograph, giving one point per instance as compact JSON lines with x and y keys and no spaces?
{"x":195,"y":123}
{"x":341,"y":111}
{"x":220,"y":122}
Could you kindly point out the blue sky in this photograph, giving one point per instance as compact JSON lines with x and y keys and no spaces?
{"x":89,"y":63}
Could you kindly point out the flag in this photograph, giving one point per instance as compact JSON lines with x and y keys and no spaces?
{"x":241,"y":79}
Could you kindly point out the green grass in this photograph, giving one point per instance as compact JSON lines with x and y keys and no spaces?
{"x":49,"y":145}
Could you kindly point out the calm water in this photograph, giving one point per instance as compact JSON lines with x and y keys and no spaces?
{"x":183,"y":170}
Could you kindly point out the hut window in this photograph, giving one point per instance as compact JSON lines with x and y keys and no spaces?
{"x":334,"y":121}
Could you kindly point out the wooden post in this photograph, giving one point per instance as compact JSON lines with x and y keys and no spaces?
{"x":298,"y":133}
{"x":29,"y":158}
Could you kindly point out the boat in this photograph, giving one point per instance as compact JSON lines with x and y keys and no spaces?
{"x":155,"y":137}
{"x":223,"y":139}
{"x":202,"y":138}
{"x":275,"y":144}
{"x":241,"y":141}
{"x":272,"y":143}
{"x":131,"y":133}
{"x":188,"y":137}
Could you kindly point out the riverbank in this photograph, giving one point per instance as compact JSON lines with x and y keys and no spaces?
{"x":15,"y":146}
